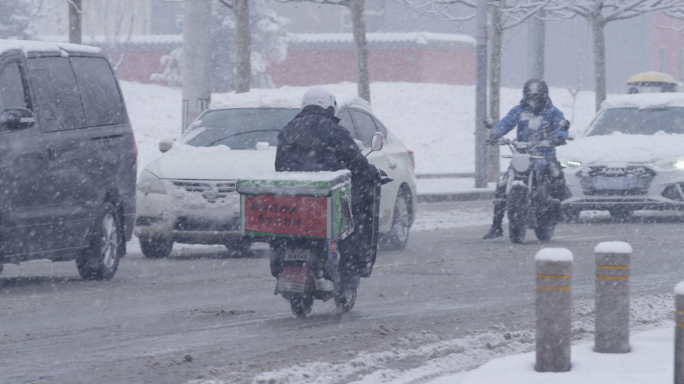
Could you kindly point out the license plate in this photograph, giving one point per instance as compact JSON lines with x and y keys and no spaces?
{"x":621,"y":182}
{"x":292,"y":279}
{"x":296,"y":254}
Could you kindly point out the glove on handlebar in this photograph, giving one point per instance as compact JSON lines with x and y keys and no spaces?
{"x":558,"y":141}
{"x":493,"y":139}
{"x":384,"y":177}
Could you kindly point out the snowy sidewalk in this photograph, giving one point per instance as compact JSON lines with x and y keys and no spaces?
{"x":651,"y":361}
{"x":432,"y":190}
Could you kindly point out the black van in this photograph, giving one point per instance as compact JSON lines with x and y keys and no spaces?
{"x":67,"y":158}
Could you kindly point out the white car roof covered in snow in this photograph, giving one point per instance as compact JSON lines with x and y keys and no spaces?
{"x":645,"y":101}
{"x":28,"y":46}
{"x":255,"y":100}
{"x":252,"y":100}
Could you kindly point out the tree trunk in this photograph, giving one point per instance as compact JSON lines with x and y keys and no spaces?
{"x":243,"y":42}
{"x":597,"y":29}
{"x":496,"y":35}
{"x":360,"y":47}
{"x":196,"y":59}
{"x":75,"y":30}
{"x":536,"y":40}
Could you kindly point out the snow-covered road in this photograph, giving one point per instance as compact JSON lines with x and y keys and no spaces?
{"x":448,"y":302}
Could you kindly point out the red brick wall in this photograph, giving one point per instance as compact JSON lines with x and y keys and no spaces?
{"x":669,"y":40}
{"x":137,"y":65}
{"x":333,"y":66}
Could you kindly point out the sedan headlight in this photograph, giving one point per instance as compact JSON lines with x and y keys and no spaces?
{"x":570,"y":163}
{"x":149,"y":183}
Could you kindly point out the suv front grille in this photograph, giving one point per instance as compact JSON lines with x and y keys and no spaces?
{"x":211,"y":190}
{"x":636,"y":179}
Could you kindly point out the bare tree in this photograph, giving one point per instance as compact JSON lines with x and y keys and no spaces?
{"x":75,"y":30}
{"x":243,"y":44}
{"x":111,"y":24}
{"x":599,"y":13}
{"x":356,"y":7}
{"x":505,"y":14}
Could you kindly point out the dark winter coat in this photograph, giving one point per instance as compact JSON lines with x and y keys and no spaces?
{"x":314,"y":141}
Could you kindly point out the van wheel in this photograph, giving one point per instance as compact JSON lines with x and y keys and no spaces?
{"x":397,"y":237}
{"x":100,"y":261}
{"x":155,"y":247}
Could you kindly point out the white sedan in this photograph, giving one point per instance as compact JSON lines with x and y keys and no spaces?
{"x":188,"y":194}
{"x":631,"y":157}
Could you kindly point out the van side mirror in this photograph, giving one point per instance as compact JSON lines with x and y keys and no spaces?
{"x":16,"y":119}
{"x":564,"y":125}
{"x":165,"y":145}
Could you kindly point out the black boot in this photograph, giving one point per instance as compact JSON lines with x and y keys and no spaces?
{"x":499,"y":211}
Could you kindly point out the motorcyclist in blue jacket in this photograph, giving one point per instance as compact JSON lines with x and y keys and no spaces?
{"x":532,"y":116}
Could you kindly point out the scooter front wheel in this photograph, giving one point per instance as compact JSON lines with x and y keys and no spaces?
{"x":301,"y":304}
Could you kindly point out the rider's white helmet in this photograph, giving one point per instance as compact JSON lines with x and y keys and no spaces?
{"x":321,"y":97}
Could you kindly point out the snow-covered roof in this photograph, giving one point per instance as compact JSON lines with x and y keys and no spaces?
{"x":134,"y":39}
{"x":646,"y":100}
{"x":28,"y":46}
{"x":387,"y":37}
{"x":415,"y":39}
{"x":252,"y":100}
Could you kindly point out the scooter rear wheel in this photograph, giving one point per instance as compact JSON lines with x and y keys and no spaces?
{"x":301,"y":304}
{"x":345,"y":301}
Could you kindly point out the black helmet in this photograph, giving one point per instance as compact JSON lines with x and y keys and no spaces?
{"x":535,"y":95}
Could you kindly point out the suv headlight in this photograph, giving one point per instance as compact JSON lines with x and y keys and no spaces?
{"x":149,"y":183}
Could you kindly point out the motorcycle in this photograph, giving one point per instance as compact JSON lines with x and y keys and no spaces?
{"x":305,"y":257}
{"x":530,"y":204}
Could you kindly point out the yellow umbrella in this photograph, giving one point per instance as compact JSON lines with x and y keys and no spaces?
{"x":651,"y":79}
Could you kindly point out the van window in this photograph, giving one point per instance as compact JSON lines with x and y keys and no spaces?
{"x":101,"y":98}
{"x":12,"y":93}
{"x":58,"y":103}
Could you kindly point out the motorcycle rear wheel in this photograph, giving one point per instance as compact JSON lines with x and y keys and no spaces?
{"x":301,"y":304}
{"x":517,"y":215}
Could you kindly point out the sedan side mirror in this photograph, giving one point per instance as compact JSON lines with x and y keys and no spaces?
{"x":16,"y":118}
{"x":564,"y":125}
{"x":377,"y":141}
{"x":165,"y":145}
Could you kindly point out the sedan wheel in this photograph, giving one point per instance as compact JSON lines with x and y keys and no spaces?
{"x":397,"y":237}
{"x":101,"y":260}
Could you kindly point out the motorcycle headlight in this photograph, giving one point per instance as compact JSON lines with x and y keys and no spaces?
{"x":679,"y":164}
{"x":149,"y":183}
{"x":570,"y":164}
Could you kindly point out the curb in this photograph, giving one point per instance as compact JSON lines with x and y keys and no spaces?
{"x":463,"y":196}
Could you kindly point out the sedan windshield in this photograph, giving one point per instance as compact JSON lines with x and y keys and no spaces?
{"x":633,"y":121}
{"x":240,"y":128}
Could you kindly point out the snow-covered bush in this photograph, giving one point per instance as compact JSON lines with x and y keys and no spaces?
{"x":15,"y":19}
{"x":269,"y":46}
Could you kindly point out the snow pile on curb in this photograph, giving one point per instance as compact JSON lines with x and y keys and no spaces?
{"x":432,"y":358}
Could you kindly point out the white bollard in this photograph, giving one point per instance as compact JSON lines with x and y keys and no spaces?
{"x":554,"y":310}
{"x":612,"y":297}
